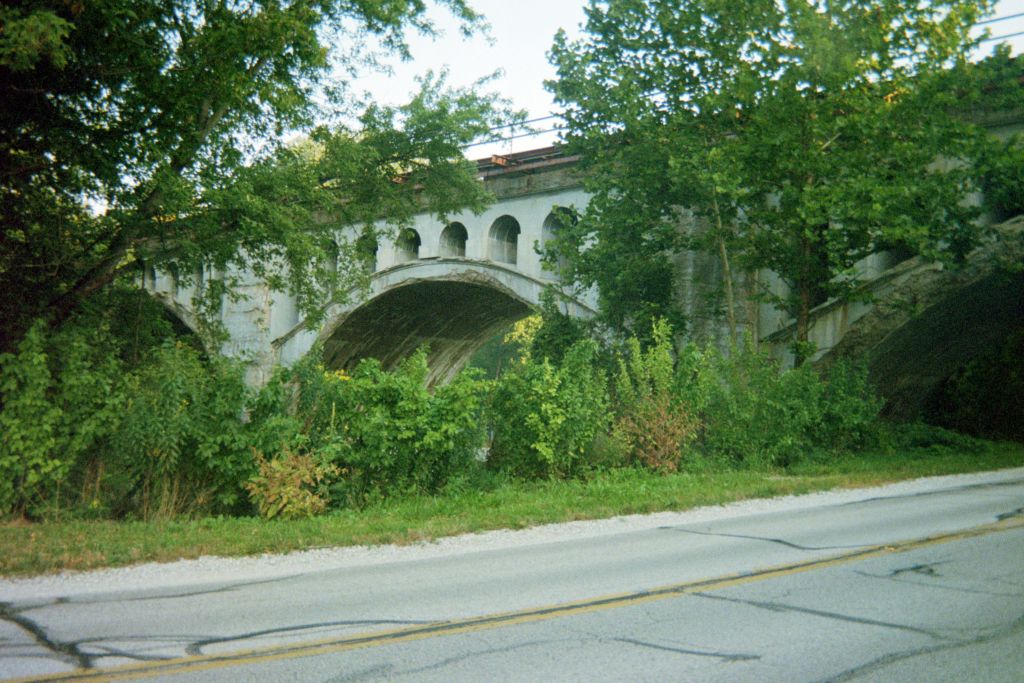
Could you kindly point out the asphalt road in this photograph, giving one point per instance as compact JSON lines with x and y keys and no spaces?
{"x":888,"y":586}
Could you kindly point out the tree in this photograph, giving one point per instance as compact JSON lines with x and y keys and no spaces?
{"x":149,"y":132}
{"x":804,"y":135}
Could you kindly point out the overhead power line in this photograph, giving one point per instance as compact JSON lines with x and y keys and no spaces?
{"x":523,"y":123}
{"x":1005,"y":17}
{"x":515,"y":137}
{"x":1002,"y":37}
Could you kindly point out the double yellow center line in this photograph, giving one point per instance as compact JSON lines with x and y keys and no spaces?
{"x":194,"y":664}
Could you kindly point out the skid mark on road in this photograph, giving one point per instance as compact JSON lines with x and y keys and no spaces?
{"x":412,"y":633}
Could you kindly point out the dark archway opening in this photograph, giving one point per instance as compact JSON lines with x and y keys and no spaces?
{"x":407,"y":246}
{"x":923,"y":369}
{"x":453,"y":240}
{"x":984,"y":397}
{"x":504,"y":240}
{"x":453,"y":318}
{"x":554,"y":223}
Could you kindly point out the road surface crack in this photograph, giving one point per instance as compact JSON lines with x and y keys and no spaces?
{"x":68,"y":653}
{"x":938,"y":492}
{"x":887,"y":660}
{"x":781,"y":607}
{"x":927,"y":569}
{"x":779,"y":541}
{"x":191,"y":594}
{"x":374,"y":673}
{"x":1011,"y":514}
{"x":108,"y":652}
{"x":196,"y":648}
{"x":724,"y":656}
{"x":474,"y":655}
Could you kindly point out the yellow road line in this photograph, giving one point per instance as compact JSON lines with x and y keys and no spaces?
{"x":499,"y":620}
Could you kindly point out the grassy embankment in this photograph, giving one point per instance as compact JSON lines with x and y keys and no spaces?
{"x":29,"y":548}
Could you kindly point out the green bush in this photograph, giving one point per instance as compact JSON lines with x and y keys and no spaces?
{"x":116,"y":413}
{"x":654,"y":424}
{"x":849,"y":409}
{"x":386,"y":431}
{"x":557,"y":331}
{"x":896,"y":438}
{"x":546,"y":417}
{"x":755,"y":414}
{"x":182,"y":446}
{"x":54,"y":409}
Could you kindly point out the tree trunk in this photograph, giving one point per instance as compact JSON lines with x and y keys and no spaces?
{"x":750,"y":296}
{"x":98,"y":277}
{"x":801,"y":350}
{"x":730,"y":306}
{"x":723,"y":254}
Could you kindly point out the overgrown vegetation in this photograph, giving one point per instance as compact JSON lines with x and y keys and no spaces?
{"x":141,"y":424}
{"x":137,"y":425}
{"x":114,"y":418}
{"x":545,"y":416}
{"x":107,"y":418}
{"x":381,"y":434}
{"x":493,"y":503}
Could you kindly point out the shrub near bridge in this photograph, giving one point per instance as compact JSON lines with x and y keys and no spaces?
{"x":735,"y":410}
{"x":83,"y":429}
{"x":53,"y":411}
{"x":110,"y":418}
{"x":380,"y":434}
{"x":655,"y":424}
{"x":754,"y":414}
{"x":546,"y":417}
{"x":698,"y":408}
{"x":181,"y":446}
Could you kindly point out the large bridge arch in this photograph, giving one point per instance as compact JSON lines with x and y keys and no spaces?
{"x":184,"y":320}
{"x":452,"y":305}
{"x":928,"y":320}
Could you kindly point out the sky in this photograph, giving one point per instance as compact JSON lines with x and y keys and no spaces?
{"x":521,"y":34}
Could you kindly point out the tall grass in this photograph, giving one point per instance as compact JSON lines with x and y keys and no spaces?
{"x":33,"y":548}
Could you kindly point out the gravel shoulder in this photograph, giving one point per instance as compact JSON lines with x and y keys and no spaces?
{"x":214,"y":570}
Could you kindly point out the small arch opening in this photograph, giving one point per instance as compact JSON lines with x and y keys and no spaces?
{"x":408,"y":245}
{"x":366,"y":248}
{"x":172,"y":272}
{"x":199,"y":280}
{"x":504,"y":240}
{"x":331,"y":251}
{"x":453,"y":240}
{"x":556,"y":221}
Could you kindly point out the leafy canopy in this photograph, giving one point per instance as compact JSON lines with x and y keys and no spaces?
{"x":150,"y":131}
{"x":801,"y":135}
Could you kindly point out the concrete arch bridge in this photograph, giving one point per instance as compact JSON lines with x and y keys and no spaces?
{"x":451,"y":286}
